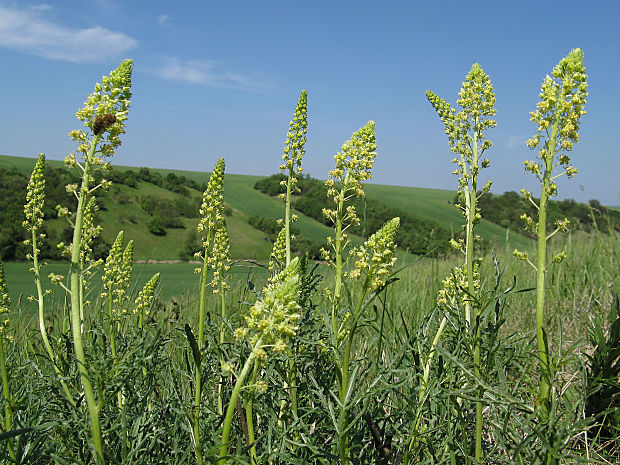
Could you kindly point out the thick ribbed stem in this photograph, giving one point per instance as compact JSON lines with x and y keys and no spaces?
{"x":76,"y":309}
{"x":8,"y":409}
{"x":230,"y":410}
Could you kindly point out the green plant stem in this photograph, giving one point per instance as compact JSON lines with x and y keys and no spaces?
{"x":287,"y":219}
{"x":338,"y":250}
{"x":42,"y":328}
{"x":223,"y":315}
{"x":230,"y":410}
{"x":198,"y":374}
{"x":343,"y":442}
{"x":8,"y":409}
{"x":76,"y":309}
{"x":544,"y":389}
{"x":249,"y":418}
{"x":425,"y":377}
{"x":471,"y":218}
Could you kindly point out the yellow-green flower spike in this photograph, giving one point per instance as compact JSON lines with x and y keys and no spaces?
{"x":5,"y":304}
{"x":90,"y":230}
{"x":105,"y":110}
{"x":212,"y":203}
{"x":294,"y":148}
{"x":376,"y":257}
{"x":354,"y":163}
{"x":35,"y":197}
{"x":112,"y":265}
{"x":558,"y":114}
{"x":278,"y":253}
{"x":220,"y":258}
{"x":353,"y":166}
{"x":142,"y":304}
{"x":273,"y":318}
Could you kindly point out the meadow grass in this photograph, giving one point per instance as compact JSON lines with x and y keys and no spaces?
{"x":371,"y":357}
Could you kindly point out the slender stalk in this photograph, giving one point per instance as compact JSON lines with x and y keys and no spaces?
{"x":287,"y":218}
{"x":198,"y":374}
{"x":249,"y":418}
{"x":230,"y":410}
{"x":220,"y":400}
{"x":338,"y":252}
{"x":343,"y":441}
{"x":544,"y":388}
{"x":8,"y":409}
{"x":76,"y":309}
{"x":42,"y":328}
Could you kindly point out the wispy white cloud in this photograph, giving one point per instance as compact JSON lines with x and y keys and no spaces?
{"x":210,"y":74}
{"x":163,"y":19}
{"x":28,"y":31}
{"x":512,"y":142}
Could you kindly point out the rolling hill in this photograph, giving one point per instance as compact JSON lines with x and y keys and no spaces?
{"x":121,"y":209}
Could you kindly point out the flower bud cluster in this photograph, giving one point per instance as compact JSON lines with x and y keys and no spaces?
{"x":453,"y":293}
{"x":211,"y":210}
{"x":354,"y":163}
{"x":90,"y":231}
{"x":353,"y":166}
{"x":558,"y":113}
{"x":376,"y":257}
{"x":142,"y":304}
{"x":273,"y":318}
{"x":35,"y":197}
{"x":106,"y":109}
{"x":5,"y":304}
{"x":295,"y":141}
{"x":117,"y":270}
{"x":219,"y":259}
{"x":278,"y":253}
{"x":466,"y":128}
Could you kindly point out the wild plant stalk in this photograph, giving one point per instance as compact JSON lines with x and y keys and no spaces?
{"x":465,"y":131}
{"x":374,"y":261}
{"x":270,"y":324}
{"x":116,"y":277}
{"x":211,"y":215}
{"x":294,"y":150}
{"x":563,"y":97}
{"x":353,"y":166}
{"x":144,"y":301}
{"x":293,"y":153}
{"x":33,"y":210}
{"x":5,"y":304}
{"x":221,"y":266}
{"x":104,"y":113}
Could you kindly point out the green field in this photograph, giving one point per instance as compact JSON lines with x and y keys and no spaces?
{"x":245,"y":201}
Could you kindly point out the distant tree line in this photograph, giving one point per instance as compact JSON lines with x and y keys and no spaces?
{"x":178,"y":184}
{"x":417,"y":235}
{"x":506,"y":210}
{"x":300,"y":245}
{"x":12,"y":198}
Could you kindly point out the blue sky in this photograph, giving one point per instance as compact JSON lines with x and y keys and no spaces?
{"x":221,"y":78}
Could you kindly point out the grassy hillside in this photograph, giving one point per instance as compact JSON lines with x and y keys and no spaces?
{"x":245,"y":201}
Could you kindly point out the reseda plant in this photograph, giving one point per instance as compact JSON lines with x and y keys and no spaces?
{"x":563,"y":97}
{"x":353,"y":166}
{"x":271,"y":322}
{"x":465,"y":131}
{"x":294,"y":150}
{"x":104,"y":114}
{"x":5,"y":304}
{"x":374,"y":260}
{"x":211,"y":218}
{"x":33,"y":212}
